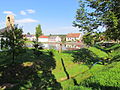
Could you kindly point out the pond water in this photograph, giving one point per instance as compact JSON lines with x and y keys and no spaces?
{"x":58,"y":46}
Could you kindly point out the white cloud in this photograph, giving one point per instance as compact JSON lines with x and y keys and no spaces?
{"x":30,"y":11}
{"x":9,"y":12}
{"x":26,"y":20}
{"x":22,"y":12}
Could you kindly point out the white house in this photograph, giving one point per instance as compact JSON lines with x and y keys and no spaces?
{"x":73,"y":37}
{"x":43,"y":39}
{"x":54,"y":39}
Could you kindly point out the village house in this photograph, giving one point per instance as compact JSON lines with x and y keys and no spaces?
{"x":54,"y":39}
{"x":43,"y":38}
{"x":29,"y":37}
{"x":74,"y":37}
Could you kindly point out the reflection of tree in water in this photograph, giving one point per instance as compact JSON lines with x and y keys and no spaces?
{"x":33,"y":74}
{"x":53,"y":46}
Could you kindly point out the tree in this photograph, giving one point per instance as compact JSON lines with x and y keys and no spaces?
{"x":95,"y":13}
{"x":88,"y":39}
{"x":91,"y":39}
{"x":85,"y":56}
{"x":28,"y":33}
{"x":38,"y":32}
{"x":13,"y":42}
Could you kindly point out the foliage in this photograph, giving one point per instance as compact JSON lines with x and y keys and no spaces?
{"x":83,"y":20}
{"x":30,"y":73}
{"x":114,"y":54}
{"x":91,"y":39}
{"x":38,"y":32}
{"x":95,"y":13}
{"x":28,"y":33}
{"x":110,"y":52}
{"x":88,"y":39}
{"x":85,"y":56}
{"x":13,"y":42}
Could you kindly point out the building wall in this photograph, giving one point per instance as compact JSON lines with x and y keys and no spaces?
{"x":42,"y":39}
{"x":55,"y":39}
{"x":58,"y":39}
{"x":73,"y":38}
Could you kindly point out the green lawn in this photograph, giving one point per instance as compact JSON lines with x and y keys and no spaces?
{"x":103,"y":76}
{"x":81,"y":72}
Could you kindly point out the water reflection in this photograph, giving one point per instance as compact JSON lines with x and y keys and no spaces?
{"x":58,"y":46}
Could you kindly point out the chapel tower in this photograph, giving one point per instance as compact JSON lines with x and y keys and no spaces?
{"x":9,"y":21}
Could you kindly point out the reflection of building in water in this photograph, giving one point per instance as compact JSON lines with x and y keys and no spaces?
{"x":72,"y":46}
{"x":45,"y":46}
{"x":53,"y":46}
{"x":62,"y":47}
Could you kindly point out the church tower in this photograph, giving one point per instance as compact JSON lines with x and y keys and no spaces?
{"x":9,"y":21}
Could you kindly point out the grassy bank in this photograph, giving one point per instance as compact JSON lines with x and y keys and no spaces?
{"x":84,"y":78}
{"x":84,"y":73}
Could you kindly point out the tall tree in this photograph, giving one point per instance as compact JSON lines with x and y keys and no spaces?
{"x":95,"y":13}
{"x":13,"y":42}
{"x":38,"y":32}
{"x":91,"y":39}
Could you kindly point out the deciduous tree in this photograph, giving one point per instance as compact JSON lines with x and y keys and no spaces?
{"x":38,"y":32}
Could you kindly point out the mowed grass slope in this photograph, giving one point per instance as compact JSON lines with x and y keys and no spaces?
{"x":81,"y":73}
{"x":72,"y":68}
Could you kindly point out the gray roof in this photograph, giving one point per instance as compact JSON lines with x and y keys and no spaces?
{"x":3,"y":29}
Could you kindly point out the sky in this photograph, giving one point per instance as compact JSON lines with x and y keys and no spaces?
{"x":54,"y":16}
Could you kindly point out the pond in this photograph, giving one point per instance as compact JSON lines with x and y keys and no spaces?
{"x":58,"y":46}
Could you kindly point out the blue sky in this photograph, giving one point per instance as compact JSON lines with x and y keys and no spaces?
{"x":55,"y":16}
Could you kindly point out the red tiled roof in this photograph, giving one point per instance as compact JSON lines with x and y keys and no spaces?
{"x":43,"y":36}
{"x":73,"y":35}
